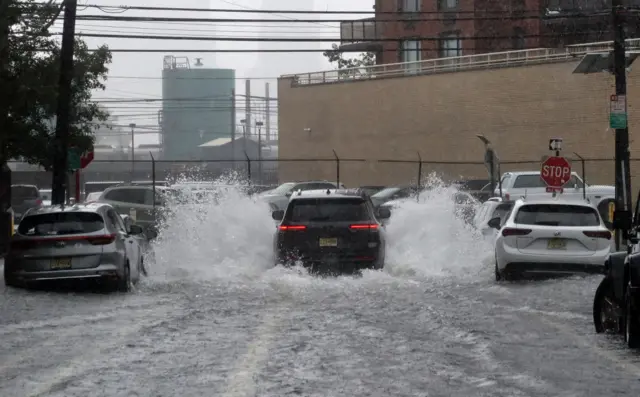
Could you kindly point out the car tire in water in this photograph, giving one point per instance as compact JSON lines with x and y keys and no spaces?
{"x":123,"y":284}
{"x":601,"y":321}
{"x":498,"y":274}
{"x":631,"y":329}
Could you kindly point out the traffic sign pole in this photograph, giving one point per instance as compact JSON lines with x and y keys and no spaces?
{"x":555,"y":171}
{"x":622,"y":218}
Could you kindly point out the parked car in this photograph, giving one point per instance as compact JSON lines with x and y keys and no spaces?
{"x":550,"y":236}
{"x":23,"y":198}
{"x":278,"y":198}
{"x":83,"y":241}
{"x":138,"y":202}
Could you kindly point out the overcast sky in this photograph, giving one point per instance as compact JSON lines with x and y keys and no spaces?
{"x":138,"y":75}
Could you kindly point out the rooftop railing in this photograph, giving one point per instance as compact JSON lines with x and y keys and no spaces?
{"x":491,"y":60}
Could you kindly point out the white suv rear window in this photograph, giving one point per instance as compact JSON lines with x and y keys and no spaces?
{"x":557,"y":215}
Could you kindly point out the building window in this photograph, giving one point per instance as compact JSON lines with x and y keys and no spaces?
{"x":447,"y":4}
{"x":518,"y":39}
{"x":450,"y":45}
{"x":410,"y":51}
{"x":408,"y":5}
{"x":518,"y":7}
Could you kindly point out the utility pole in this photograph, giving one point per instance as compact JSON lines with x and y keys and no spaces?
{"x":267,"y":109}
{"x":133,"y":150}
{"x":247,"y":108}
{"x":622,"y":217}
{"x":61,"y":140}
{"x":4,"y":51}
{"x":233,"y":128}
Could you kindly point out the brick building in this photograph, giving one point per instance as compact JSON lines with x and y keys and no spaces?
{"x":518,"y":101}
{"x":465,"y":27}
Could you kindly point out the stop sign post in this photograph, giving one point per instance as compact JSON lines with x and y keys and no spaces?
{"x":555,"y":172}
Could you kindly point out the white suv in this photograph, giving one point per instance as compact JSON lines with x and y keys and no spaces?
{"x":550,"y":236}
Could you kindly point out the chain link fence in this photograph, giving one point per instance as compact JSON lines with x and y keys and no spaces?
{"x":352,"y":172}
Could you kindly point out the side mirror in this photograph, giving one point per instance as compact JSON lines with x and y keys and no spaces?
{"x":126,"y":219}
{"x":384,"y":213}
{"x":495,"y":223}
{"x":151,"y":234}
{"x":136,"y":230}
{"x":277,"y":215}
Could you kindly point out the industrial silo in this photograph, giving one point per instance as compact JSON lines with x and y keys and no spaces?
{"x":197,"y":106}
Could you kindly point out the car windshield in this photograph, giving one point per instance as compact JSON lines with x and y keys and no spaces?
{"x":282,"y":189}
{"x":328,"y":210}
{"x":385,"y":193}
{"x":61,"y":223}
{"x":557,"y":215}
{"x":535,"y":181}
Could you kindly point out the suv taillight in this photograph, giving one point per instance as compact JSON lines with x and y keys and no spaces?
{"x":102,"y":240}
{"x":364,"y":227}
{"x":291,"y":227}
{"x":506,"y":232}
{"x":598,"y":234}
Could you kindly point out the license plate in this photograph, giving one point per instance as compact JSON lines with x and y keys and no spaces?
{"x":328,"y":242}
{"x":61,"y":264}
{"x":556,"y":244}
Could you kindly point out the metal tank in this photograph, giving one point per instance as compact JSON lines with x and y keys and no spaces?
{"x":197,"y":106}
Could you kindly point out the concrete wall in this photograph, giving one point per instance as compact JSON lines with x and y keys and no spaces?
{"x":517,"y":108}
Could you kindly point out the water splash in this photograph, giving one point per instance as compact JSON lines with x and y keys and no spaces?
{"x":223,"y":234}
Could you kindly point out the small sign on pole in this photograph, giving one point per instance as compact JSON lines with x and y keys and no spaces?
{"x":555,"y":144}
{"x":618,"y":112}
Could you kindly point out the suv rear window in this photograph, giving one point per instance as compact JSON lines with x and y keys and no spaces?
{"x":328,"y":210}
{"x":557,"y":215}
{"x":61,"y":223}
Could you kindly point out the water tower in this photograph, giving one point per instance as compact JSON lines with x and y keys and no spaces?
{"x":197,"y":106}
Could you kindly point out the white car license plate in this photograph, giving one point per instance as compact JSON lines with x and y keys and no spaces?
{"x":557,"y":244}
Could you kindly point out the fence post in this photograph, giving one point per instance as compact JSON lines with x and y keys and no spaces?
{"x":584,"y":177}
{"x":248,"y":166}
{"x":419,"y":176}
{"x":337,"y":168}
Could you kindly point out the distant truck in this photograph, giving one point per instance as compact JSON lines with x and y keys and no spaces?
{"x":529,"y":183}
{"x":525,"y":183}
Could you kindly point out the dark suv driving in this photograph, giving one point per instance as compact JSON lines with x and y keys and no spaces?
{"x":331,"y":230}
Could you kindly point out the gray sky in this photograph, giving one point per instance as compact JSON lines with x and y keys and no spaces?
{"x":138,"y":75}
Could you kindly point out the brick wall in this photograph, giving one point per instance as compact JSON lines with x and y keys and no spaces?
{"x":517,"y":108}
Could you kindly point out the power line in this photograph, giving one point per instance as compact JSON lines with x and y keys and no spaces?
{"x":488,"y":50}
{"x":297,"y":20}
{"x":190,"y":78}
{"x":327,"y":12}
{"x":308,"y":39}
{"x":184,"y":29}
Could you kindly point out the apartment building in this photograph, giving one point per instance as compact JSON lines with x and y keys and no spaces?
{"x":427,"y":29}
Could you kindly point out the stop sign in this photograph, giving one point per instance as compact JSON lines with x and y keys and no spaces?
{"x":555,"y":171}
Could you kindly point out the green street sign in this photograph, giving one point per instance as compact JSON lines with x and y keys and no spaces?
{"x":618,"y":120}
{"x":618,"y":112}
{"x":73,"y":159}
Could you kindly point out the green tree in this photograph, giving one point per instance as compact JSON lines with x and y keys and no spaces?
{"x":336,"y":57}
{"x":29,"y":77}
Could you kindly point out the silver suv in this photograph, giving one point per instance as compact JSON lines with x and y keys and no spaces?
{"x":137,"y":202}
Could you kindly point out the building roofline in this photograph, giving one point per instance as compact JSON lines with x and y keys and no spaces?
{"x":492,"y":60}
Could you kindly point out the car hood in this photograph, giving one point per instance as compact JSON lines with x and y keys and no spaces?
{"x":269,"y":197}
{"x":393,"y":203}
{"x":601,"y":189}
